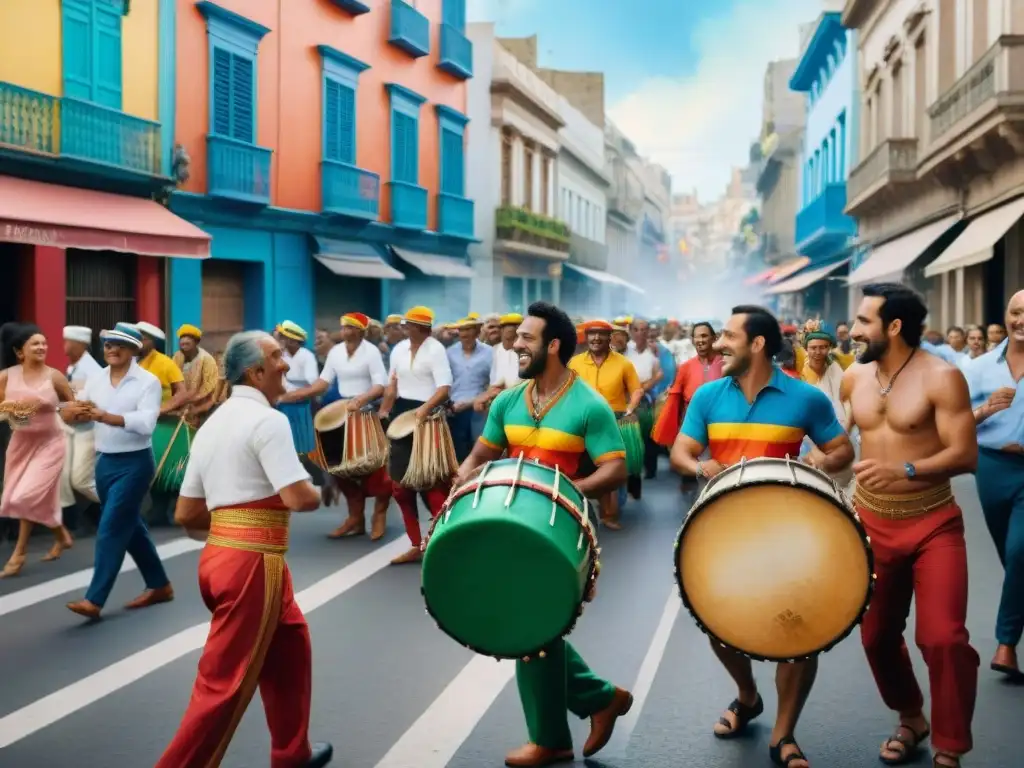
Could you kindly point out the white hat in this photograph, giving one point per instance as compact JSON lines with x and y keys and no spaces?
{"x":150,"y":330}
{"x":78,"y":333}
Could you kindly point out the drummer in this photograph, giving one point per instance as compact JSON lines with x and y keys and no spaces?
{"x":302,"y":372}
{"x":560,"y":422}
{"x":358,"y":368}
{"x":505,"y":362}
{"x":821,"y":370}
{"x":615,"y":379}
{"x":757,"y":411}
{"x":420,"y":379}
{"x":200,"y":371}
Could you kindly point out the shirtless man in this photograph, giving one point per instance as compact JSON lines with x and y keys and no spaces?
{"x":917,"y":431}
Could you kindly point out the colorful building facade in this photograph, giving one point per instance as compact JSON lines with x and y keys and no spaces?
{"x":86,"y":145}
{"x":326,"y":159}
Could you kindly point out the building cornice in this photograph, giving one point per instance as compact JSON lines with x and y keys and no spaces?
{"x":510,"y":89}
{"x":856,"y":12}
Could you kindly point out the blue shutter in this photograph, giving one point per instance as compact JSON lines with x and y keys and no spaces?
{"x":106,"y":37}
{"x":242,"y":106}
{"x":452,"y":163}
{"x":76,"y":48}
{"x":331,"y":121}
{"x":412,"y":150}
{"x":346,"y":125}
{"x":399,"y":146}
{"x":220,"y":119}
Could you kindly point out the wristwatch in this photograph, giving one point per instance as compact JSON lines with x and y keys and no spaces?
{"x":910,"y":469}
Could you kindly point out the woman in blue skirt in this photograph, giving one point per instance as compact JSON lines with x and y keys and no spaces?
{"x":302,"y":372}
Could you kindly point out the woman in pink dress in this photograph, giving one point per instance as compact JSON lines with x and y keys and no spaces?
{"x":35,"y":453}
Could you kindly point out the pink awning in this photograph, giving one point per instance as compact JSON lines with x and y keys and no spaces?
{"x":35,"y":213}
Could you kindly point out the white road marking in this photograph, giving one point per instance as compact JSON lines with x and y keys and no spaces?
{"x":24,"y":598}
{"x":58,"y":705}
{"x":645,"y":678}
{"x":433,"y":740}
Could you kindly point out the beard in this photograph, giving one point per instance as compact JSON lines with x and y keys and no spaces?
{"x":534,"y":368}
{"x":873,"y":351}
{"x":736,"y":365}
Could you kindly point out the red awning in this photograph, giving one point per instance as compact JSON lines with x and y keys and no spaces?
{"x":35,"y":213}
{"x":760,"y":277}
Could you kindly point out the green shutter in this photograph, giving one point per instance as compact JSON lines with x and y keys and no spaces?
{"x":346,"y":125}
{"x":242,"y":106}
{"x":220,"y":119}
{"x":77,"y":48}
{"x":331,"y":122}
{"x":107,"y":51}
{"x":452,"y":163}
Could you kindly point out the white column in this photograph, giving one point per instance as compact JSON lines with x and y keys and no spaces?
{"x":944,"y":313}
{"x":537,"y":159}
{"x":518,"y":152}
{"x":960,"y":298}
{"x":552,"y":187}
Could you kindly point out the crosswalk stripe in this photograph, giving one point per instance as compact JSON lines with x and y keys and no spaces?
{"x":68,"y":700}
{"x":48,"y":590}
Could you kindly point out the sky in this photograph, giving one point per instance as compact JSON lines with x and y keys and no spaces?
{"x":683,"y":78}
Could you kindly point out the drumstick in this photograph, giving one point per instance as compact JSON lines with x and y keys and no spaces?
{"x":167,"y":451}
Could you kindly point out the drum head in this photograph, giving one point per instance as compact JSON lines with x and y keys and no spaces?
{"x":402,"y":425}
{"x":331,"y":416}
{"x":776,"y":572}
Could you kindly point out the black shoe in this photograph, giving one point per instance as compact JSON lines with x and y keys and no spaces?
{"x":322,"y":754}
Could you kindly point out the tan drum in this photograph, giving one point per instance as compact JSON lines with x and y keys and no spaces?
{"x":773,"y":562}
{"x":349,"y":444}
{"x":422,"y":455}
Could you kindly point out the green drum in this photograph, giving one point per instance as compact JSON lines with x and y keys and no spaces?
{"x":172,"y":441}
{"x":633,"y":437}
{"x":510,"y":559}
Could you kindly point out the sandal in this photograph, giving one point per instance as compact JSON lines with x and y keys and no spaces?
{"x":775,"y":752}
{"x":744,"y":714}
{"x":944,"y":756}
{"x":905,"y":746}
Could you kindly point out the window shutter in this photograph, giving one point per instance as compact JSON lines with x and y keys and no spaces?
{"x":76,"y":48}
{"x":453,"y":14}
{"x":107,"y":51}
{"x":346,"y":124}
{"x":242,"y":107}
{"x":221,"y":117}
{"x":398,"y":146}
{"x":452,"y":167}
{"x":332,"y":122}
{"x":412,"y":149}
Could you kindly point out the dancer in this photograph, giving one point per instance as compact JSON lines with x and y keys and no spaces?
{"x":917,"y":431}
{"x":420,"y":380}
{"x":241,"y":486}
{"x":79,"y":473}
{"x":35,"y":454}
{"x":557,"y":419}
{"x":124,"y":405}
{"x":302,"y":372}
{"x":705,"y":366}
{"x":759,"y":411}
{"x":993,"y":379}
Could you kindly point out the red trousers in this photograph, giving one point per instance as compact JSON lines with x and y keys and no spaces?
{"x":406,"y":499}
{"x":372,"y":486}
{"x":924,"y":558}
{"x":258,"y":637}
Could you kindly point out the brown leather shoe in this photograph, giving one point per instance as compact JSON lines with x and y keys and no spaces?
{"x":85,"y":608}
{"x":152,"y":597}
{"x":603,"y":723}
{"x":1005,"y":662}
{"x":378,"y":525}
{"x":532,"y":755}
{"x":353,"y":526}
{"x":414,"y":555}
{"x":611,"y":523}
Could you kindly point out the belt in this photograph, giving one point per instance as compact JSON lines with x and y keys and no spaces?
{"x":251,"y":529}
{"x":902,"y":506}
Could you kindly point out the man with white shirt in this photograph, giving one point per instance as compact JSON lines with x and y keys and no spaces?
{"x":358,"y":368}
{"x":242,"y":484}
{"x":79,"y":472}
{"x":420,"y":380}
{"x":648,"y":368}
{"x":302,"y":372}
{"x":504,"y":363}
{"x":125,"y":405}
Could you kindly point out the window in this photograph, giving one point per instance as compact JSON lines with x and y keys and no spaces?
{"x":341,"y":78}
{"x":405,"y":134}
{"x":234,"y":42}
{"x":452,"y":127}
{"x":91,"y":49}
{"x":453,"y":13}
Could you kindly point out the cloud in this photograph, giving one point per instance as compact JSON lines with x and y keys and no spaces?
{"x":700,"y":126}
{"x":499,"y":11}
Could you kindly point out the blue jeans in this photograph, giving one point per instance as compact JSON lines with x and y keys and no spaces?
{"x":122,"y":481}
{"x":1000,"y":479}
{"x":466,"y":427}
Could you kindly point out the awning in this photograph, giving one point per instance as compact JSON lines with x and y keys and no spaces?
{"x":35,"y":213}
{"x":896,"y":255}
{"x":788,"y":268}
{"x":431,"y":264}
{"x":348,"y":258}
{"x":760,"y":277}
{"x":975,"y":244}
{"x":605,"y":277}
{"x":805,"y":280}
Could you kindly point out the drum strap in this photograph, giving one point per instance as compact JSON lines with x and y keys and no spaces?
{"x":904,"y":505}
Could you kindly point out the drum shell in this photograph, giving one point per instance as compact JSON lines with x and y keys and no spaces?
{"x":399,"y":457}
{"x":781,"y":628}
{"x":331,"y":444}
{"x":505,"y":581}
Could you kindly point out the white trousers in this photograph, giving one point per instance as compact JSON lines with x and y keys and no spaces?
{"x":79,"y":472}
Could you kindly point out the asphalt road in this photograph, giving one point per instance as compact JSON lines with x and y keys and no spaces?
{"x":391,"y":691}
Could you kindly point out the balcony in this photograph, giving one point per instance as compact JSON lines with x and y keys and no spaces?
{"x":652,"y":232}
{"x":588,"y":253}
{"x":47,"y":126}
{"x":352,"y":7}
{"x":968,"y":115}
{"x":456,"y":53}
{"x":822,"y":228}
{"x":890,"y":166}
{"x":237,"y":170}
{"x":410,"y":29}
{"x":408,"y":205}
{"x":524,"y":232}
{"x":455,"y":216}
{"x":348,"y":190}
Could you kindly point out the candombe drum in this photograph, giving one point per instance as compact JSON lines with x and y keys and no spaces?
{"x":349,"y":444}
{"x":773,"y":562}
{"x":510,"y":559}
{"x":422,"y":455}
{"x":633,"y":438}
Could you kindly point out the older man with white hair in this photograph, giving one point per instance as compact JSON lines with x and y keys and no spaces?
{"x":79,"y":472}
{"x":240,"y":488}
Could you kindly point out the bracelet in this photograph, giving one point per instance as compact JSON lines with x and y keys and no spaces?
{"x":700,"y":470}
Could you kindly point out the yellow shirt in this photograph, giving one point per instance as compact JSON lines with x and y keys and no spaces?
{"x":615,"y":379}
{"x":161,"y":366}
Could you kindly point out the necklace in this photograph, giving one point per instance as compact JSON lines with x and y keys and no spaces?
{"x":538,"y":407}
{"x":884,"y":391}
